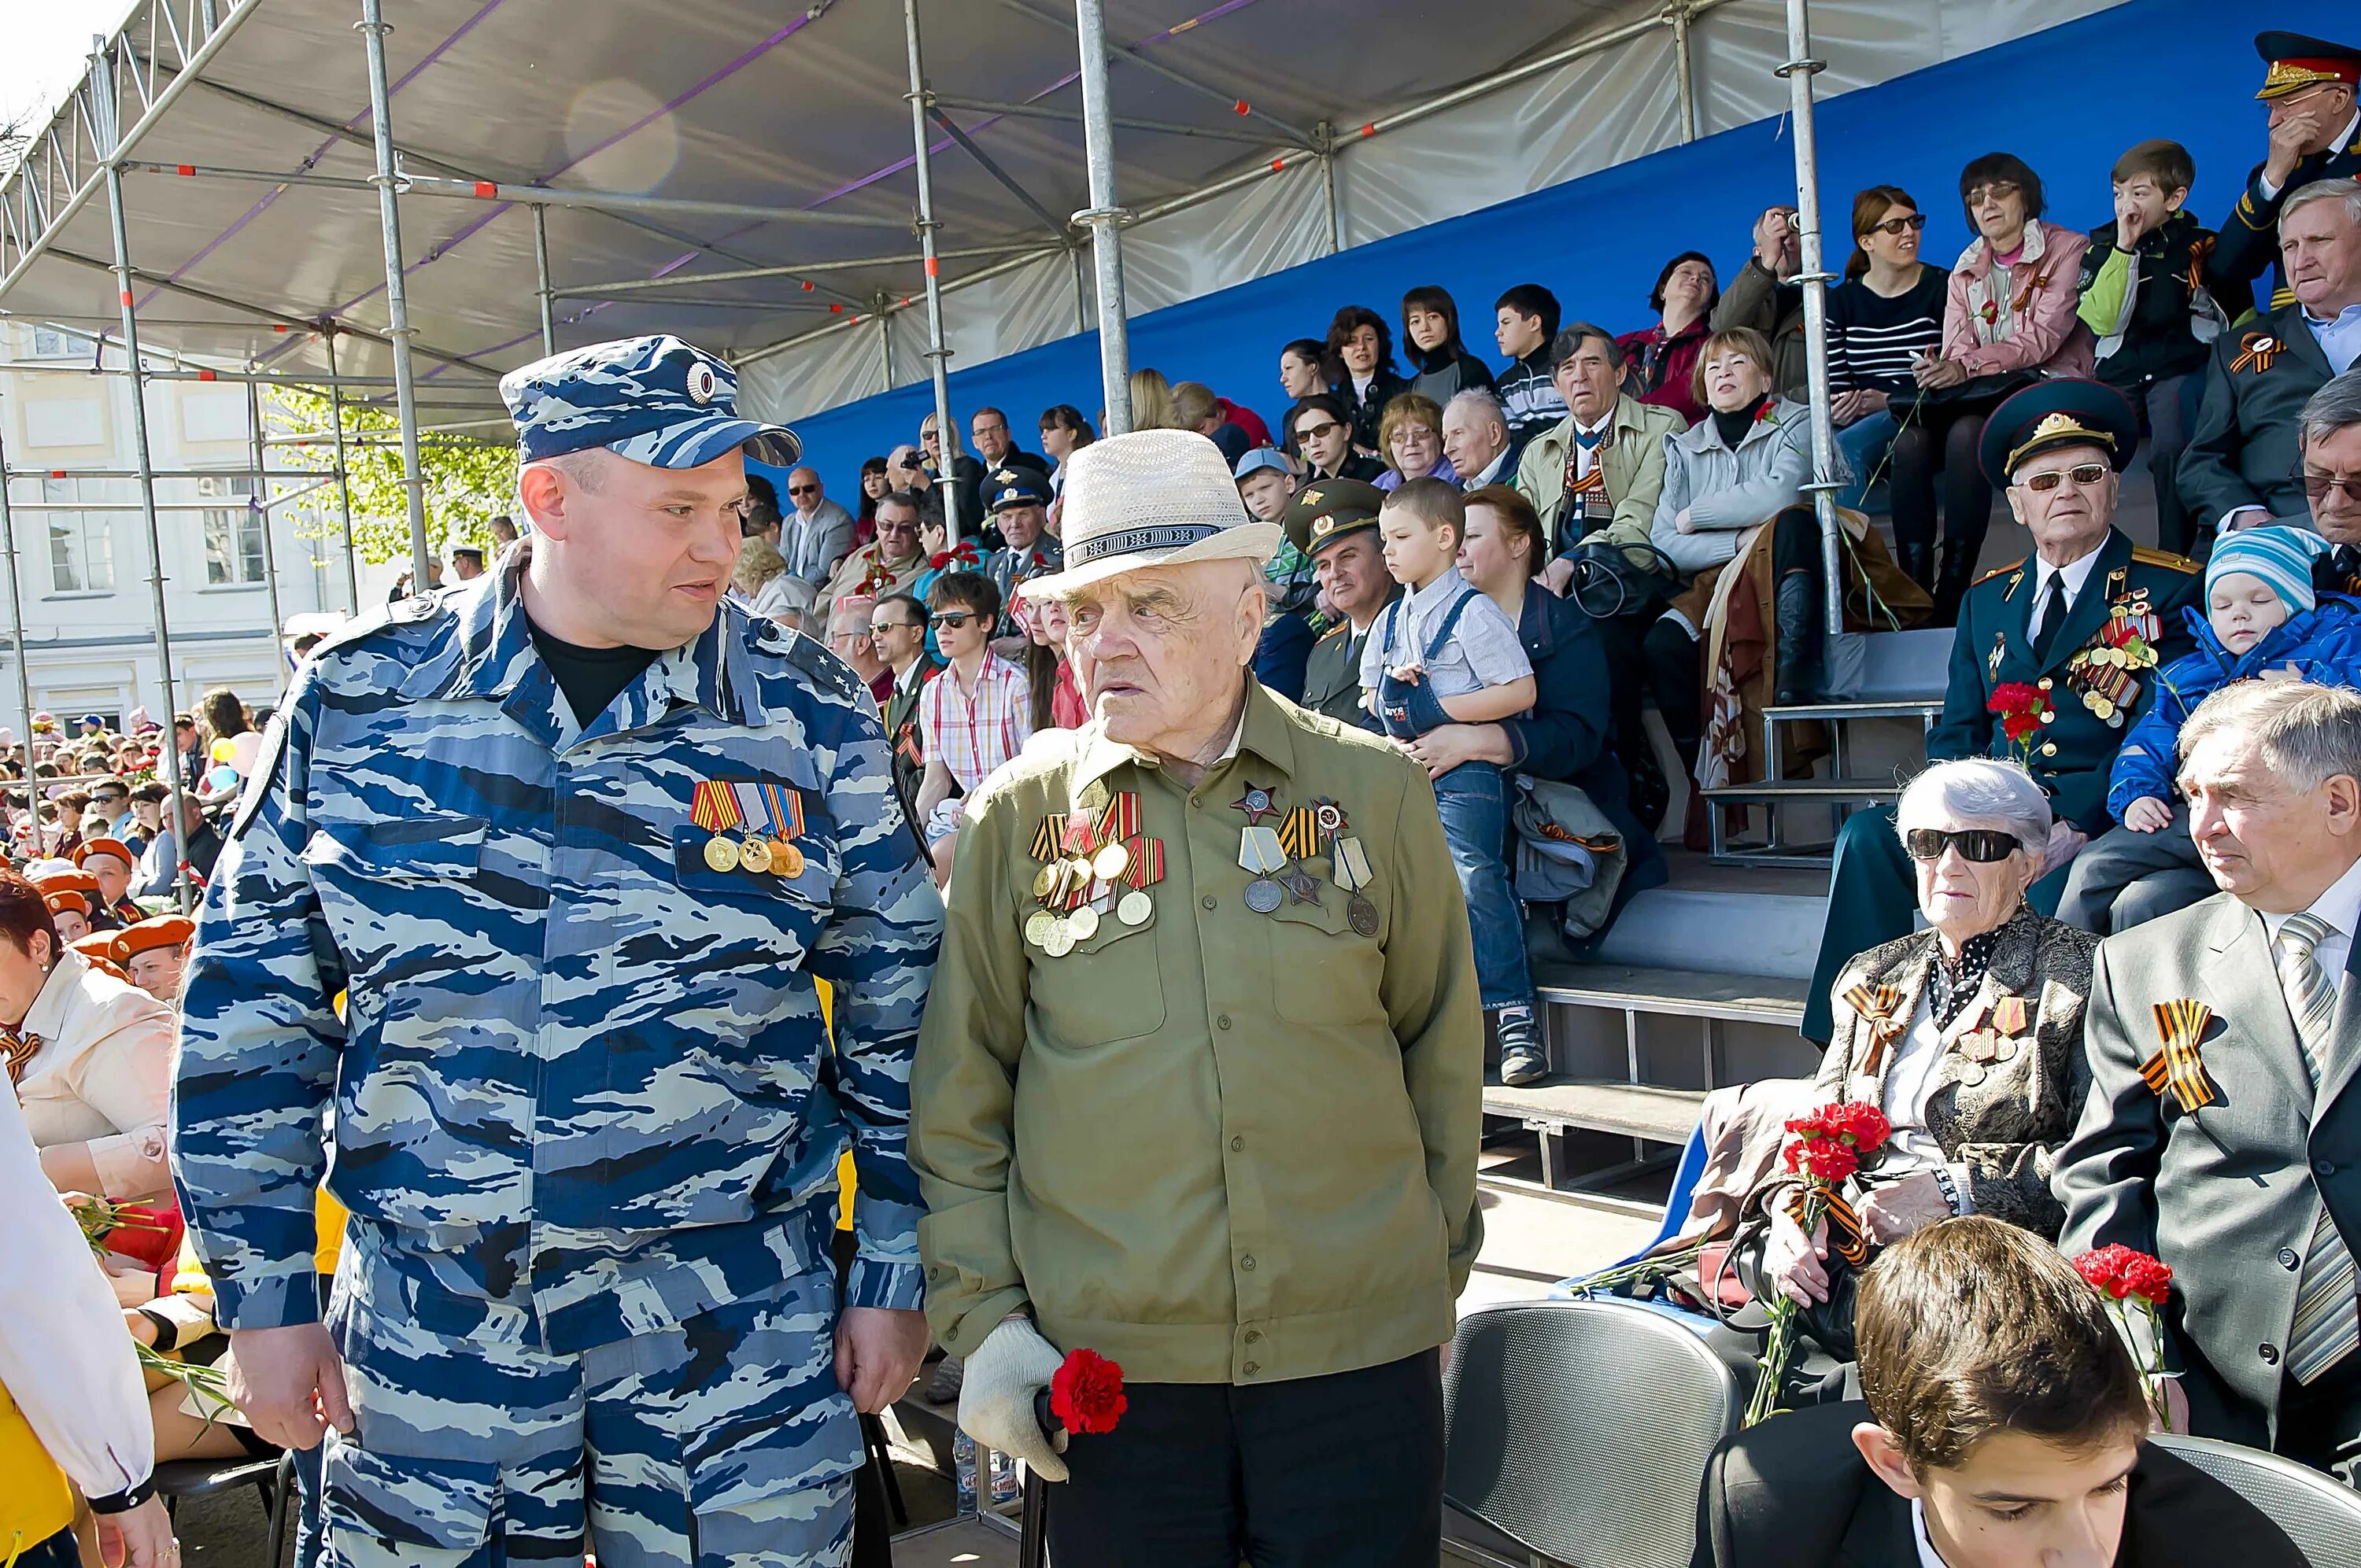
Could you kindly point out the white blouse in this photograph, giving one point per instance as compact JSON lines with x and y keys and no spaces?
{"x":102,"y":1075}
{"x":65,"y":1356}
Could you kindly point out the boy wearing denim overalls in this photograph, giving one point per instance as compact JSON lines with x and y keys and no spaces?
{"x":1443,"y":653}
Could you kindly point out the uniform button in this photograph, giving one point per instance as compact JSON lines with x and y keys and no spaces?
{"x":2044,"y":683}
{"x":1246,"y":1263}
{"x":1222,"y":1022}
{"x":1208,"y":901}
{"x":2049,"y":748}
{"x":1254,"y":1336}
{"x":2323,"y":1168}
{"x":1252,"y":1368}
{"x":1236,"y":1144}
{"x":2269,"y":1353}
{"x":2288,"y":1258}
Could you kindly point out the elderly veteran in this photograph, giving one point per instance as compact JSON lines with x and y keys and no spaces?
{"x":1335,"y":522}
{"x":1198,"y":1085}
{"x":2068,"y":641}
{"x":1968,"y":1035}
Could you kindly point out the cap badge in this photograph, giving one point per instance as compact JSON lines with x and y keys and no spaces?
{"x":700,"y":384}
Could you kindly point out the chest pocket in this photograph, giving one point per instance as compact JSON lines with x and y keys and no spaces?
{"x":1109,"y":988}
{"x":1321,"y":970}
{"x":400,"y":896}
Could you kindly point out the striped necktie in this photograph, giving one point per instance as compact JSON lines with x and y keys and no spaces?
{"x":2327,"y":1323}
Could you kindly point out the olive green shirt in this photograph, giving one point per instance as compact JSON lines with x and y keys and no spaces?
{"x":1219,"y":1146}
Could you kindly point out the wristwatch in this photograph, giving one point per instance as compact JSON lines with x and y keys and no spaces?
{"x":1951,"y":1188}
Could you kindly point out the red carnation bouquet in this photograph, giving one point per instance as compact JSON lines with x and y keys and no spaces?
{"x":960,"y":557}
{"x":2024,"y":709}
{"x":2133,"y":1284}
{"x":1827,"y":1149}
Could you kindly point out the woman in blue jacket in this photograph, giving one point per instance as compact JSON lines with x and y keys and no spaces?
{"x":2263,"y":620}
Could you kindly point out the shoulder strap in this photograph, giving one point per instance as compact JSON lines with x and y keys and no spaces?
{"x":1449,"y":624}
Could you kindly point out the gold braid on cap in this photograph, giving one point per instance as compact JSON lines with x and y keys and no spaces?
{"x":2056,"y":427}
{"x":2287,"y":76}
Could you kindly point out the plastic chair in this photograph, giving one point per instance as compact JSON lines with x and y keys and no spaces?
{"x":2319,"y":1514}
{"x":178,"y":1480}
{"x":1580,"y":1430}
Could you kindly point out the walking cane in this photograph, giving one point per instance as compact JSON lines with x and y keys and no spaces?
{"x":1033,"y":1524}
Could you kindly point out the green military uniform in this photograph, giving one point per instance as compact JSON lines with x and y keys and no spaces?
{"x":2249,"y":242}
{"x":1226,"y":1117}
{"x":2243,"y":450}
{"x":2097,"y":678}
{"x":1326,"y":512}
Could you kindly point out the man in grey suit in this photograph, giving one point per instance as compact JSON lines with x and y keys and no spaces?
{"x":817,"y":534}
{"x":2223,"y":1131}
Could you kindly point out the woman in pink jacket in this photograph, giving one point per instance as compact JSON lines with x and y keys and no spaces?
{"x":2010,"y":316}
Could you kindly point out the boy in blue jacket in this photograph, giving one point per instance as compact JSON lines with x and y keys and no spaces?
{"x":2263,"y":620}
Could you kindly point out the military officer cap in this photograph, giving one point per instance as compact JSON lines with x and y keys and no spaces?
{"x":1016,"y":485}
{"x":2063,"y":411}
{"x":656,"y":401}
{"x":2297,"y":62}
{"x":1329,"y":510}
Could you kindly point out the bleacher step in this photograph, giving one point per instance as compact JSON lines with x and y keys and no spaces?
{"x":1718,"y":930}
{"x":1628,"y":1109}
{"x":1808,"y":789}
{"x":1689,"y":994}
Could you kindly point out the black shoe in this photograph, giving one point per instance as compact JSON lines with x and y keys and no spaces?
{"x":1958,"y":571}
{"x":1650,"y":793}
{"x":1802,"y":639}
{"x":1918,"y":564}
{"x":1522,"y":1059}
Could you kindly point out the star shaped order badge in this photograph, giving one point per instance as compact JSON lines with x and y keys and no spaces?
{"x":1256,"y":803}
{"x":1302,"y":886}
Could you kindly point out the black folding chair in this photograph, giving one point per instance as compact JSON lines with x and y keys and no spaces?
{"x":273,"y":1480}
{"x":2319,"y":1514}
{"x":1580,"y":1430}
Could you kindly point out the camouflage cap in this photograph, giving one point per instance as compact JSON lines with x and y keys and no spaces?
{"x":656,"y":401}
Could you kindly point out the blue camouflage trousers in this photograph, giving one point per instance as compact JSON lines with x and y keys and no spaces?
{"x":720,"y":1442}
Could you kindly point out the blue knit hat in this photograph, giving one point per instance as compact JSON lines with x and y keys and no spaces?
{"x":2281,"y":556}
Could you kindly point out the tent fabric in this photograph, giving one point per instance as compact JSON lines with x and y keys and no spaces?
{"x":736,"y":101}
{"x":1599,"y":240}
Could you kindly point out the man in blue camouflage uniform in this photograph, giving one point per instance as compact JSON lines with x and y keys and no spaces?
{"x":576,"y":837}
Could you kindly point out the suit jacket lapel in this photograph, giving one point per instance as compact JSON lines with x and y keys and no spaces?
{"x":2090,"y":606}
{"x":2346,"y":1034}
{"x":2298,"y":341}
{"x":1880,"y":1535}
{"x":2243,"y":986}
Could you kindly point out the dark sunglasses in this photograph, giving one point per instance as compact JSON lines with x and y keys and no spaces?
{"x":1897,"y":228}
{"x":1317,"y":431}
{"x":880,"y":628}
{"x":2317,"y":486}
{"x":2083,"y":474}
{"x":951,"y":619}
{"x":802,"y":490}
{"x":1982,"y":845}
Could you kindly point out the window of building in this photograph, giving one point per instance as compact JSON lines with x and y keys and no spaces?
{"x":81,"y":544}
{"x":52,"y":343}
{"x":233,"y":535}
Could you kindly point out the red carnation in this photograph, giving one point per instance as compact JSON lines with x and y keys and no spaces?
{"x":1864,"y":1123}
{"x":2121,"y":1272}
{"x":1086,"y":1395}
{"x":1830,"y":1145}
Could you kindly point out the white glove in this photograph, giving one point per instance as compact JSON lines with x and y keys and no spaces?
{"x":1012,"y":1364}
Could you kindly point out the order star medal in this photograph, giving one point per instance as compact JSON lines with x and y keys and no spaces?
{"x":714,"y":808}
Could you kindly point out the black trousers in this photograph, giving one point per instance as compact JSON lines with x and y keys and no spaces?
{"x":1311,"y":1473}
{"x":2320,"y":1423}
{"x":1945,"y":447}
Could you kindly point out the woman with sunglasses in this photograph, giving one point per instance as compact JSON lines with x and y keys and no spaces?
{"x":1967,"y":1034}
{"x":1884,"y":317}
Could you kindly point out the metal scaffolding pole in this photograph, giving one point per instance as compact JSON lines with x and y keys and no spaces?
{"x":344,"y":477}
{"x":946,"y":432}
{"x":540,"y":270}
{"x":1799,"y":69}
{"x":399,"y":331}
{"x":1679,"y":12}
{"x":1104,"y":217}
{"x":261,"y":508}
{"x":148,"y":508}
{"x":17,"y":632}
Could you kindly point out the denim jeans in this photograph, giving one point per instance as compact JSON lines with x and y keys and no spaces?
{"x":1864,"y":444}
{"x":1473,"y":800}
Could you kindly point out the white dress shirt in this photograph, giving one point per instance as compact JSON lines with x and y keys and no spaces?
{"x":65,"y":1357}
{"x":2076,"y":573}
{"x":1928,"y":1556}
{"x":1585,"y":458}
{"x":2341,"y":907}
{"x":2339,"y":335}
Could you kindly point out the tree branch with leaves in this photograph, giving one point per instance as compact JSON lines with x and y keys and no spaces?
{"x":468,"y":482}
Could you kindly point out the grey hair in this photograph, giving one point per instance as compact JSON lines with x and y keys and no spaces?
{"x":2345,"y":189}
{"x":2337,"y":406}
{"x":1978,"y":789}
{"x":1477,"y":398}
{"x":2306,"y":734}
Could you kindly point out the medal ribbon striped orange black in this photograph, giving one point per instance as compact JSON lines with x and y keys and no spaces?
{"x":1847,"y":1237}
{"x":1048,"y":836}
{"x":2177,"y":1067}
{"x":1875,"y":1004}
{"x":1298,"y":833}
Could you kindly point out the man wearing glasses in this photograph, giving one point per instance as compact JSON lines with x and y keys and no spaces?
{"x":888,"y":563}
{"x":2240,"y":466}
{"x":972,"y":718}
{"x":2077,"y":632}
{"x":2315,"y":134}
{"x":817,"y":534}
{"x":898,"y":633}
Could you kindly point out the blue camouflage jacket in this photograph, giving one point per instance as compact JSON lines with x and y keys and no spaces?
{"x":581,"y":1088}
{"x":2319,"y":645}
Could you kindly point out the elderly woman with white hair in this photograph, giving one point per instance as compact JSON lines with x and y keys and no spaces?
{"x":1967,"y":1034}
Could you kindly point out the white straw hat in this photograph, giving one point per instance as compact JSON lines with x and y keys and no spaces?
{"x":1154,"y":498}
